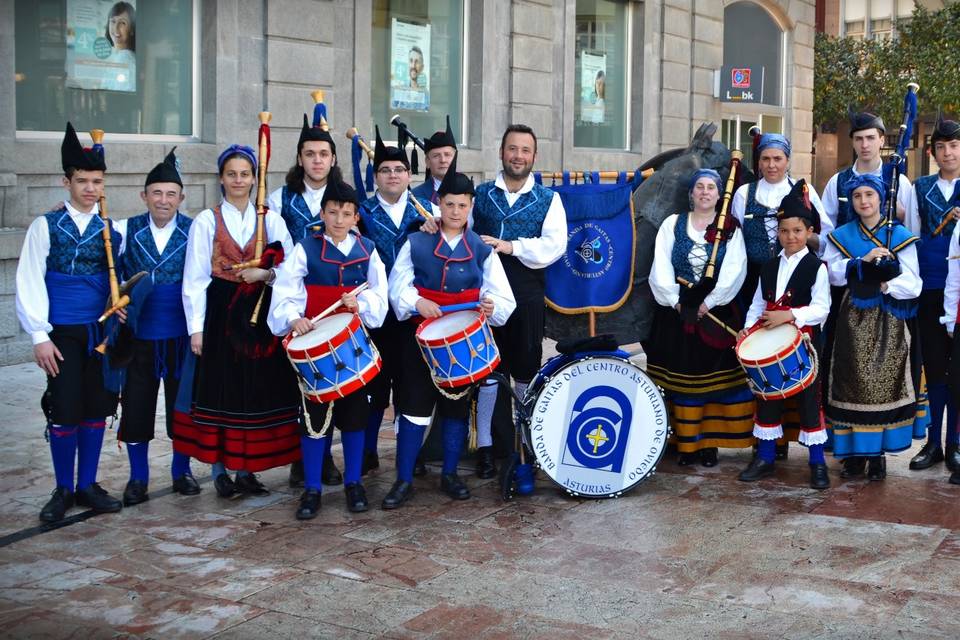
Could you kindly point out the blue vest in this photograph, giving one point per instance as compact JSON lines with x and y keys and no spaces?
{"x":845,"y":212}
{"x":755,"y":235}
{"x":377,"y":226}
{"x":683,"y":244}
{"x":296,"y":214}
{"x":76,"y":277}
{"x":854,"y":240}
{"x":932,"y":250}
{"x":424,"y":192}
{"x":328,"y":267}
{"x":492,"y":216}
{"x":161,"y":315}
{"x":438,"y":268}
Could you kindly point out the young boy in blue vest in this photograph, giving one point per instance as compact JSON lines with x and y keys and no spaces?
{"x":62,"y":288}
{"x":794,"y":287}
{"x":155,"y":242}
{"x":324,"y":267}
{"x":432,"y":270}
{"x":932,"y":213}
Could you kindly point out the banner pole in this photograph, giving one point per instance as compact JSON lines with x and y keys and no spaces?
{"x":592,"y":323}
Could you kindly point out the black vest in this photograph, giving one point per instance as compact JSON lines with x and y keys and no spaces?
{"x":799,"y":289}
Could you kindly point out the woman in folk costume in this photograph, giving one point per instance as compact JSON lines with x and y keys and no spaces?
{"x":689,"y":355}
{"x":245,"y":400}
{"x":871,"y":401}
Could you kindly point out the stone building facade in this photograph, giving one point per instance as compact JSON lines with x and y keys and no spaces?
{"x":519,"y":62}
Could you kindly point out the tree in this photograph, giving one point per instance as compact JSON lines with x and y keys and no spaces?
{"x":873,"y":74}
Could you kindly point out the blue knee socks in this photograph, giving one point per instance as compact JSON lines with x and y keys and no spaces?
{"x":454,"y":433}
{"x":89,"y":443}
{"x":353,"y":444}
{"x":327,"y":443}
{"x":139,"y":464}
{"x":180,"y":465}
{"x":816,"y":454}
{"x":409,"y":440}
{"x":63,"y":450}
{"x":767,"y":450}
{"x":372,"y":432}
{"x":312,"y":449}
{"x":937,"y":395}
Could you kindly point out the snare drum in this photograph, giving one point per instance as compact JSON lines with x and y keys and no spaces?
{"x":458,"y":347}
{"x":335,"y":359}
{"x":778,"y":362}
{"x":597,"y":425}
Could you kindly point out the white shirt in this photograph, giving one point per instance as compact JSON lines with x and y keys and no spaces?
{"x":311,"y":196}
{"x":396,"y":210}
{"x":906,"y":286}
{"x":951,"y":291}
{"x":161,"y":235}
{"x":912,"y":220}
{"x":32,"y":301}
{"x":663,"y":279}
{"x":814,"y":314}
{"x":831,"y":199}
{"x":404,"y":295}
{"x":197,"y":271}
{"x":770,"y":196}
{"x":289,"y":300}
{"x":538,"y":253}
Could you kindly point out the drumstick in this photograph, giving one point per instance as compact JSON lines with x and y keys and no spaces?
{"x":947,"y":219}
{"x":336,"y":305}
{"x":721,"y":323}
{"x":450,"y":308}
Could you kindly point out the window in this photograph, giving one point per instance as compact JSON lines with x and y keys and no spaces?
{"x":752,"y":40}
{"x":418,"y":63}
{"x":600,"y":75}
{"x":136,"y":76}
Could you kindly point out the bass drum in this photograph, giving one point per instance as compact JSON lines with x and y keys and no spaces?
{"x":597,"y":423}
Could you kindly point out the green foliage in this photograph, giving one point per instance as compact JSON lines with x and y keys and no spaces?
{"x":873,"y":74}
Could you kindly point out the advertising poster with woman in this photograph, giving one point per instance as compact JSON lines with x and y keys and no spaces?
{"x":409,"y":73}
{"x":101,"y":45}
{"x":593,"y":84}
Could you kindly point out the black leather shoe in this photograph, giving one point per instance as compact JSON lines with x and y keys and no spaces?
{"x":135,"y":493}
{"x":309,"y":505}
{"x":186,"y":485}
{"x":356,"y":497}
{"x":331,"y":475}
{"x":758,"y":468}
{"x":877,"y":468}
{"x":225,"y":486}
{"x":708,"y":457}
{"x":687,"y":459}
{"x":399,"y":493}
{"x":930,"y":454}
{"x":853,"y":467}
{"x":486,"y":467}
{"x":952,"y":457}
{"x":453,"y":486}
{"x":56,"y":507}
{"x":783,"y":450}
{"x":371,"y":461}
{"x":249,"y":485}
{"x":97,"y":499}
{"x":419,"y":468}
{"x":954,"y":479}
{"x":819,"y":478}
{"x":296,"y":475}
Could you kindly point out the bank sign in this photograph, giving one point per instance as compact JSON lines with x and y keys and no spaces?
{"x":741,"y":84}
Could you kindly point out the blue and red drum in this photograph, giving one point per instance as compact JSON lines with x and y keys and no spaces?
{"x":458,"y":347}
{"x":779,"y":363}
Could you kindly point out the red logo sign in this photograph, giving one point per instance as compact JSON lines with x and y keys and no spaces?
{"x":740,"y":78}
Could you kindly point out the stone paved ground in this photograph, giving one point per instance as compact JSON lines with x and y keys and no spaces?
{"x":692,"y":553}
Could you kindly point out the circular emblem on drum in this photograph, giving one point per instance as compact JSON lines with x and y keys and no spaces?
{"x":597,"y":431}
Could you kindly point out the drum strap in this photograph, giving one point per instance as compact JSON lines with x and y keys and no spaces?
{"x":327,"y":420}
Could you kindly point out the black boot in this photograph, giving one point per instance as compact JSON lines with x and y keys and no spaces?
{"x":758,"y":468}
{"x":296,"y":474}
{"x":97,"y":499}
{"x":819,"y":478}
{"x":371,"y":461}
{"x":877,"y":468}
{"x":225,"y":486}
{"x":331,"y":475}
{"x":135,"y":493}
{"x":420,"y":467}
{"x":356,"y":497}
{"x":399,"y":493}
{"x":783,"y":450}
{"x":56,"y":507}
{"x":687,"y":459}
{"x":853,"y":467}
{"x":708,"y":457}
{"x":952,"y":456}
{"x":249,"y":485}
{"x":486,"y":468}
{"x":452,"y":485}
{"x":309,"y":505}
{"x":930,"y":454}
{"x":186,"y":485}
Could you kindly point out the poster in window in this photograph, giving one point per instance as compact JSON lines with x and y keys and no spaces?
{"x":593,"y":85}
{"x":101,"y":45}
{"x":409,"y":73}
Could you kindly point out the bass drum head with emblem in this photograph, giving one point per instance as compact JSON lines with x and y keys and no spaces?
{"x":598,"y":425}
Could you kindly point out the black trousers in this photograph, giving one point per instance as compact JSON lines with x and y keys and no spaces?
{"x":520,"y":341}
{"x":808,"y":406}
{"x":138,"y":402}
{"x":935,"y":344}
{"x":418,"y":395}
{"x":389,"y":340}
{"x":350,"y":413}
{"x":77,"y":392}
